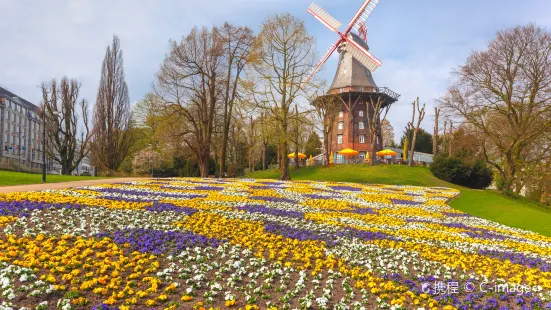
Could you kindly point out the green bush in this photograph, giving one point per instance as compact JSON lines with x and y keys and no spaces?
{"x":458,"y":171}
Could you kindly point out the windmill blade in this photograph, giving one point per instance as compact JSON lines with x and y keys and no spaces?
{"x":363,"y":13}
{"x":324,"y":17}
{"x":362,"y":55}
{"x":322,"y":61}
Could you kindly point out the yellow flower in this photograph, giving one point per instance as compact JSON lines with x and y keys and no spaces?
{"x":162,"y":297}
{"x":186,"y":298}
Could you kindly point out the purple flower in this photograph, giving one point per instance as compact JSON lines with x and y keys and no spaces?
{"x":272,"y":199}
{"x":105,"y":307}
{"x":364,"y":235}
{"x":298,"y":233}
{"x":346,"y":188}
{"x":405,"y":202}
{"x":145,"y":194}
{"x":453,"y":214}
{"x":361,"y":210}
{"x":518,"y":258}
{"x":24,"y":207}
{"x":317,"y":196}
{"x":158,"y":241}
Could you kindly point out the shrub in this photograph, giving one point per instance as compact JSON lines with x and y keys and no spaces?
{"x":458,"y":171}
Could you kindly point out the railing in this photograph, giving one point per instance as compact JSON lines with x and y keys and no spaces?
{"x":384,"y":90}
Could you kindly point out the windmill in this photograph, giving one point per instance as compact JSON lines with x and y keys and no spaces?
{"x":345,"y":40}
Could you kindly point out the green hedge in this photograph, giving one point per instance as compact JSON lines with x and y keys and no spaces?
{"x":456,"y":170}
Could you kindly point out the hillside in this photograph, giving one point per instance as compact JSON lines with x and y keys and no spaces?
{"x":488,"y":204}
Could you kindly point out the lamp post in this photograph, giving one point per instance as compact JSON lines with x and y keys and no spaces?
{"x":43,"y":145}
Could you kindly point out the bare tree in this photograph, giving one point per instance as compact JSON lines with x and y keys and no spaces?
{"x":189,"y":85}
{"x":379,"y":109}
{"x":504,"y":91}
{"x":420,"y":116}
{"x":286,"y":56}
{"x":112,"y":137}
{"x":147,"y":113}
{"x":301,"y":127}
{"x":266,"y":133}
{"x":326,"y":110}
{"x":251,"y":141}
{"x":445,"y":137}
{"x":237,"y":52}
{"x":450,"y":140}
{"x":435,"y":134}
{"x":387,"y":132}
{"x":62,"y":122}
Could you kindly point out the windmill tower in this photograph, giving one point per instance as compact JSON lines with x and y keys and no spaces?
{"x":353,"y":85}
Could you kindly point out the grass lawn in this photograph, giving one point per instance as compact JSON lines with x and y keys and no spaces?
{"x":8,"y":178}
{"x":488,"y":204}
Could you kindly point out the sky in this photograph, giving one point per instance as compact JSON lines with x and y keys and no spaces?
{"x":419,"y":42}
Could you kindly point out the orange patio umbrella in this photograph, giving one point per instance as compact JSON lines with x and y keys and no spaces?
{"x":348,"y":152}
{"x":387,"y":152}
{"x":300,"y":155}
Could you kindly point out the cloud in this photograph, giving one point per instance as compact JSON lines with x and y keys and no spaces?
{"x":418,"y":42}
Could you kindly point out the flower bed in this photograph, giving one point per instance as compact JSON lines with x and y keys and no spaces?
{"x":260,"y":244}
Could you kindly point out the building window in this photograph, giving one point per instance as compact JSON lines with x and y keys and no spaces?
{"x":361,"y":125}
{"x":339,"y":139}
{"x":341,"y":114}
{"x":361,"y":113}
{"x":340,"y":125}
{"x":362,"y":139}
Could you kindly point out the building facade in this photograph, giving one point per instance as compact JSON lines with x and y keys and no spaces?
{"x":21,"y":137}
{"x":20,"y":131}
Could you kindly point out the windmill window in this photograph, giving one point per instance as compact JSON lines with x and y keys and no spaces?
{"x":339,"y":139}
{"x":361,"y":125}
{"x":362,"y":139}
{"x":361,"y":113}
{"x":340,"y":125}
{"x":341,"y":114}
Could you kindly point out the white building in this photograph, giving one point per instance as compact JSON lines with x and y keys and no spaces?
{"x":21,"y":136}
{"x":20,"y":131}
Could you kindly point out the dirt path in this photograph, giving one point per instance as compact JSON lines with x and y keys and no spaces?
{"x":39,"y":187}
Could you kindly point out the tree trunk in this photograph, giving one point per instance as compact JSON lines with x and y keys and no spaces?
{"x":450,"y":149}
{"x":412,"y":150}
{"x":223,"y":154}
{"x":435,"y":134}
{"x":326,"y":149}
{"x":284,"y":175}
{"x":264,"y":146}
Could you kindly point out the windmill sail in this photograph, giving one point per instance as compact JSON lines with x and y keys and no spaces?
{"x":362,"y":15}
{"x":363,"y":56}
{"x":322,"y":61}
{"x":324,"y":17}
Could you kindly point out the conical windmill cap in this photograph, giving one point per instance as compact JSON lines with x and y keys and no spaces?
{"x":351,"y":72}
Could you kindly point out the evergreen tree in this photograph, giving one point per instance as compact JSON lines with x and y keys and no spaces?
{"x":423,"y":143}
{"x":313,"y":145}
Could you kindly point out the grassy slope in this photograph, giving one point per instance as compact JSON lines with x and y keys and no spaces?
{"x":8,"y":178}
{"x":487,"y":204}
